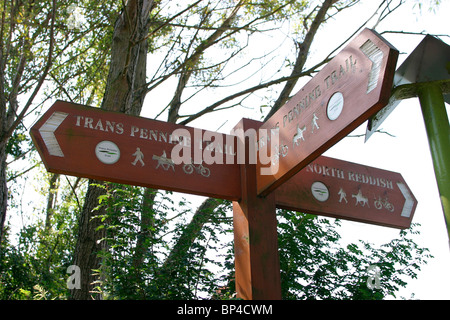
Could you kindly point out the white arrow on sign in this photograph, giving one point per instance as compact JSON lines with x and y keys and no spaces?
{"x":409,"y":201}
{"x":47,"y":132}
{"x":376,"y":56}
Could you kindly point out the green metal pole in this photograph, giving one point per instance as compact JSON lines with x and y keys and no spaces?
{"x":438,"y":131}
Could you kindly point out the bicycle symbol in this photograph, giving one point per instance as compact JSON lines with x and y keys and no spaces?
{"x":383,"y":203}
{"x":283,"y":151}
{"x":200,"y":169}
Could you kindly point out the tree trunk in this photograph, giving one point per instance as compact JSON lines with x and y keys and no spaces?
{"x":145,"y":232}
{"x":88,"y":243}
{"x":201,"y":216}
{"x":52,"y":190}
{"x":10,"y":117}
{"x":3,"y":193}
{"x":123,"y":93}
{"x":144,"y":241}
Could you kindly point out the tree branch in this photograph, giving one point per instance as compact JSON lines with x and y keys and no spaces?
{"x":194,"y":59}
{"x":213,"y":107}
{"x":45,"y":71}
{"x":414,"y":33}
{"x":303,"y":51}
{"x":190,"y":233}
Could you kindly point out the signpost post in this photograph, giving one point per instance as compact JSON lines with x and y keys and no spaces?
{"x":257,"y":266}
{"x":88,"y":142}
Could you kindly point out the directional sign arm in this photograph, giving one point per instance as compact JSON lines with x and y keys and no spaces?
{"x":345,"y":190}
{"x":93,"y":143}
{"x":347,"y":91}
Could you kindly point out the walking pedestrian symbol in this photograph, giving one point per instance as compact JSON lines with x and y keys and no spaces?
{"x":343,"y":195}
{"x":138,"y":157}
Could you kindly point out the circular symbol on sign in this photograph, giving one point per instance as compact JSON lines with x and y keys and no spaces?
{"x":320,"y":191}
{"x":107,"y":152}
{"x":335,"y":106}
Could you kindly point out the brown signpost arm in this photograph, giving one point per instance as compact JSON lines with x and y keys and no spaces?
{"x":110,"y":146}
{"x":257,"y":264}
{"x":348,"y":90}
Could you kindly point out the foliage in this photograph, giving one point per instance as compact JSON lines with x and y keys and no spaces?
{"x":123,"y":278}
{"x":313,"y":263}
{"x":315,"y":266}
{"x":34,"y":265}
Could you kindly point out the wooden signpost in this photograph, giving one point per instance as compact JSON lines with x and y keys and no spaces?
{"x":354,"y":85}
{"x":89,"y":142}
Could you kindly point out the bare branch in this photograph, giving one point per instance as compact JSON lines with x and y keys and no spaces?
{"x":303,"y":50}
{"x":44,"y":74}
{"x":193,"y":60}
{"x":22,"y":173}
{"x":387,"y":11}
{"x":238,"y":94}
{"x":363,"y":134}
{"x":423,"y":33}
{"x":168,"y":22}
{"x":363,"y":25}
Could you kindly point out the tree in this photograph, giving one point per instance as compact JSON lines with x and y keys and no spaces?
{"x":44,"y":55}
{"x":124,"y":93}
{"x":15,"y":53}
